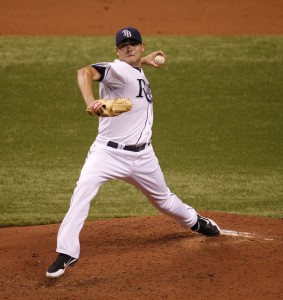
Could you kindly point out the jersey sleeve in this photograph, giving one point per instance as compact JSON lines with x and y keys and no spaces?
{"x":101,"y":68}
{"x":111,"y":73}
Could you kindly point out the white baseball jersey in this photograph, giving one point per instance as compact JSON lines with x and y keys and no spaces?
{"x":119,"y":79}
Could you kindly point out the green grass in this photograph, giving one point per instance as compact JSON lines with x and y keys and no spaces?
{"x":217,"y":131}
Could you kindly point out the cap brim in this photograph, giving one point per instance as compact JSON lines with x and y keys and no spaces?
{"x":128,"y":39}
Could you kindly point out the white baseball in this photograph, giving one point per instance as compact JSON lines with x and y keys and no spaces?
{"x":159,"y":59}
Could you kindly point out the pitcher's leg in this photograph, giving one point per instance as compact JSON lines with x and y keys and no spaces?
{"x":91,"y":178}
{"x":149,"y":178}
{"x":167,"y":202}
{"x":68,"y":235}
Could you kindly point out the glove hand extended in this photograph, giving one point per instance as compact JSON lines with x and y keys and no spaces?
{"x":109,"y":108}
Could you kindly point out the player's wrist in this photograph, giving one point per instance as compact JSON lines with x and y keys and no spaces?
{"x":95,"y":108}
{"x":90,"y":102}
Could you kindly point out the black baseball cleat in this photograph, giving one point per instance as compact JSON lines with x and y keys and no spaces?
{"x":59,"y":266}
{"x":206,"y":226}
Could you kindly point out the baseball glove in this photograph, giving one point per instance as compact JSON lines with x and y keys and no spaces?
{"x":109,"y":108}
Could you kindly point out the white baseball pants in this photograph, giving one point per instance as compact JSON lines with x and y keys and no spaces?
{"x":140,"y":169}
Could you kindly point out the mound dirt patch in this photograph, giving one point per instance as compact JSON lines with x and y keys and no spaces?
{"x":147,"y":258}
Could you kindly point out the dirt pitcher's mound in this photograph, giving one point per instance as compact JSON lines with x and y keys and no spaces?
{"x":147,"y":258}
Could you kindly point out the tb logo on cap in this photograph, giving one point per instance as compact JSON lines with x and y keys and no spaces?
{"x":127,"y":33}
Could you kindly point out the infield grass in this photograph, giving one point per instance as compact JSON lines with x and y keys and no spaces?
{"x":217,"y":133}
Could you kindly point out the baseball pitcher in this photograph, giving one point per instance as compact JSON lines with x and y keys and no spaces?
{"x":123,"y":147}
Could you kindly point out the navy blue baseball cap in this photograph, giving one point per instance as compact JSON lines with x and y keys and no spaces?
{"x":128,"y":33}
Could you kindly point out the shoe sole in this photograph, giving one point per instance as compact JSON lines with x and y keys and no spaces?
{"x":61,"y":271}
{"x":56,"y":274}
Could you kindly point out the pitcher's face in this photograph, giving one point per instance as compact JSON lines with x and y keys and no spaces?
{"x":130,"y":51}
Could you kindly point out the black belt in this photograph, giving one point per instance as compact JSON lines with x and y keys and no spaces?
{"x":128,"y":148}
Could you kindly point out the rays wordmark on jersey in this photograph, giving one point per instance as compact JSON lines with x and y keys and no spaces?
{"x":144,"y":90}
